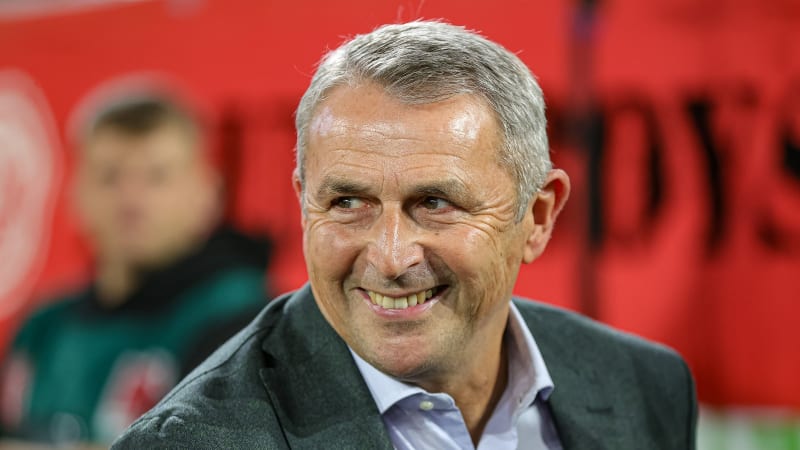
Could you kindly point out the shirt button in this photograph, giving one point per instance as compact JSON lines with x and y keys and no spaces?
{"x":426,"y":405}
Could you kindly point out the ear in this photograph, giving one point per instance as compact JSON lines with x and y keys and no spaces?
{"x":543,"y":211}
{"x":298,"y":191}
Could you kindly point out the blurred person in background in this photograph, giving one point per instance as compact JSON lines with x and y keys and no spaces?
{"x":170,"y":282}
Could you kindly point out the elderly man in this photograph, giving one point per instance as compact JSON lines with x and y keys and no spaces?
{"x":424,"y":179}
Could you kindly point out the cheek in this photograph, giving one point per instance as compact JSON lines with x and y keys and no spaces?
{"x":330,"y":255}
{"x":329,"y":250}
{"x":487,"y":262}
{"x":181,"y":201}
{"x":476,"y":250}
{"x":98,"y":209}
{"x":178,"y":193}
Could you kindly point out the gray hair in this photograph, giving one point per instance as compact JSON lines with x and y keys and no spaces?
{"x":425,"y":62}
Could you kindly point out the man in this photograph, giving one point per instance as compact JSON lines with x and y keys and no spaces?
{"x":169,"y":288}
{"x":424,"y":180}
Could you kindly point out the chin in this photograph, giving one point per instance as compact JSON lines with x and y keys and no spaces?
{"x":404,"y":365}
{"x":147,"y":260}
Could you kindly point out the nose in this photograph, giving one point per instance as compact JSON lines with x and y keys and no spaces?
{"x":394,"y":243}
{"x":130,"y":192}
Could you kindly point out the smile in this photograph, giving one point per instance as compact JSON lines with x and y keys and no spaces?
{"x":410,"y":300}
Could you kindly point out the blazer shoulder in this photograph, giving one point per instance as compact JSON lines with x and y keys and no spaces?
{"x":581,"y":332}
{"x":654,"y":369}
{"x":222,"y":402}
{"x":639,"y":373}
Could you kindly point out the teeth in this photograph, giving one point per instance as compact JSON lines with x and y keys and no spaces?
{"x":401,"y":302}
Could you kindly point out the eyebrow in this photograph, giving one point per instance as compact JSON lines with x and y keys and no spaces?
{"x":334,"y":186}
{"x":452,"y":189}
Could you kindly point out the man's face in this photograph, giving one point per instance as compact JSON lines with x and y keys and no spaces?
{"x":144,"y":199}
{"x":408,"y":204}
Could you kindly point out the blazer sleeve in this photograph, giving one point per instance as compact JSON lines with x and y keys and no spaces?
{"x":173,"y":432}
{"x":691,"y":401}
{"x":155,"y":433}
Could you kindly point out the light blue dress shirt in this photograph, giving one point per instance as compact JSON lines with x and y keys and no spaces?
{"x":417,"y":419}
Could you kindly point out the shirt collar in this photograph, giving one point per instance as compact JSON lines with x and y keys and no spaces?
{"x":385,"y":390}
{"x":528,"y":375}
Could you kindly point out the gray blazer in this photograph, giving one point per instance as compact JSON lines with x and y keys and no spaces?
{"x":288,"y":381}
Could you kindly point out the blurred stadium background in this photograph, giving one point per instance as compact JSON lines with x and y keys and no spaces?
{"x":678,"y":120}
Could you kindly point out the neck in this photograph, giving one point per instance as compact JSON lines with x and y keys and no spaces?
{"x":115,"y":282}
{"x":478,"y":387}
{"x":477,"y":412}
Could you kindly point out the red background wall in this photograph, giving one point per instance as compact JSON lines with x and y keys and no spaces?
{"x":679,"y":122}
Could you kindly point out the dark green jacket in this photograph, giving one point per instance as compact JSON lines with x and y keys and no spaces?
{"x":87,"y":370}
{"x":289,"y":381}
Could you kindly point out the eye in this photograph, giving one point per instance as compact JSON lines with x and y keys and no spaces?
{"x":435,"y":203}
{"x":348,"y":203}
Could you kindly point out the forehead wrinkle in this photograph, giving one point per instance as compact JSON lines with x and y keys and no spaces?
{"x":378,"y":134}
{"x":417,"y":144}
{"x":381,"y":146}
{"x":336,"y":185}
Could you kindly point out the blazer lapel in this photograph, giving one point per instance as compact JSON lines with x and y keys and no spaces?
{"x":582,"y":401}
{"x":322,"y":401}
{"x":316,"y":389}
{"x":584,"y":414}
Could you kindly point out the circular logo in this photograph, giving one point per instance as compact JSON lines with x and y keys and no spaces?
{"x":30,"y":172}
